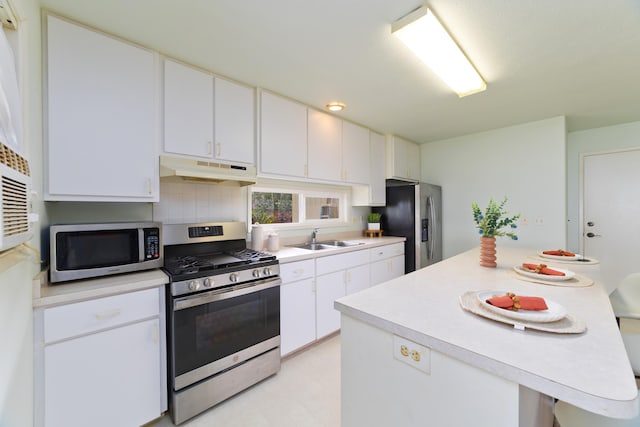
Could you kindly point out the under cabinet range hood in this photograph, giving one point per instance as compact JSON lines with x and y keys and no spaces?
{"x":181,"y":169}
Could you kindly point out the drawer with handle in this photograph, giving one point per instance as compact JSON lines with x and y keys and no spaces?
{"x":388,"y":251}
{"x":80,"y":318}
{"x":298,"y":270}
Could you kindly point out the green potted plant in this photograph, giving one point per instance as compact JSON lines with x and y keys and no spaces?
{"x":491,"y":224}
{"x":373,"y":220}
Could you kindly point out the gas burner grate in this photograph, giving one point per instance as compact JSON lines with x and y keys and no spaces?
{"x":188,"y":265}
{"x":251,"y":255}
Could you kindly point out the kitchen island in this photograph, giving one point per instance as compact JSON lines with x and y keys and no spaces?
{"x":411,"y":355}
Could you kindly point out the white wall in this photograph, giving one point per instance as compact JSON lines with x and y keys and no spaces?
{"x":19,"y":265}
{"x":610,"y":138}
{"x":526,"y":163}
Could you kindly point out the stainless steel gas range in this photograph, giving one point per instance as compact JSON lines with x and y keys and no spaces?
{"x":223,"y":315}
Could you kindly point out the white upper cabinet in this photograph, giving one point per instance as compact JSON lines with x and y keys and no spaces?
{"x":355,"y":153}
{"x":102,"y":121}
{"x":207,"y":117}
{"x":234,"y":122}
{"x":283,"y":142}
{"x":188,"y":110}
{"x":403,"y":159}
{"x":324,"y":138}
{"x":373,"y":194}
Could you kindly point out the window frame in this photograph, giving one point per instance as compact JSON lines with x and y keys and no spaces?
{"x":342,"y":194}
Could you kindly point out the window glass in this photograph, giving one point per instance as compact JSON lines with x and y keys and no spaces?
{"x":274,"y":208}
{"x":322,"y":208}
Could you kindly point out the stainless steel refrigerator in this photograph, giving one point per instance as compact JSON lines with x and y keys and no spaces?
{"x":414,"y":211}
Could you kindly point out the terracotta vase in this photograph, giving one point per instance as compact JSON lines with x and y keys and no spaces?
{"x":488,"y":252}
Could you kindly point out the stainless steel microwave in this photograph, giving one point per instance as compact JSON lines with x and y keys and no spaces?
{"x":82,"y":251}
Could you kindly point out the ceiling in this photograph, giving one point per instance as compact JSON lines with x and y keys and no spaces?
{"x":540,"y":58}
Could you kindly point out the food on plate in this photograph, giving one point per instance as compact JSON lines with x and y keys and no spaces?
{"x":514,"y":302}
{"x":559,"y":252}
{"x":541,"y":269}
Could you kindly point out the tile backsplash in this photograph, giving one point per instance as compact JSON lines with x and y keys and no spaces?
{"x":184,"y":202}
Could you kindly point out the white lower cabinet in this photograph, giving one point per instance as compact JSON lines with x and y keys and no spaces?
{"x":310,"y":287}
{"x":387,"y":262}
{"x":337,"y":276}
{"x":330,"y":287}
{"x":297,"y":305}
{"x":98,"y":364}
{"x":100,"y":380}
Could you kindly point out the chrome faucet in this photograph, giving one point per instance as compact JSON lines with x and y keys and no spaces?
{"x":314,"y":234}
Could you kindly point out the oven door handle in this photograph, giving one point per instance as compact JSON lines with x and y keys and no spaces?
{"x":222,"y":294}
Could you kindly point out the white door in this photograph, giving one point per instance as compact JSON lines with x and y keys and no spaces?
{"x":611,"y":213}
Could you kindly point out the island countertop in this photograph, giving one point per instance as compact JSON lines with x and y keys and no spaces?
{"x":590,"y":370}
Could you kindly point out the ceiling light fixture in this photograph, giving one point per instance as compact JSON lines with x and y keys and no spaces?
{"x":336,"y":106}
{"x":421,"y":31}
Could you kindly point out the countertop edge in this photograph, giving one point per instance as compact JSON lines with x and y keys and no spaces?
{"x":69,"y":293}
{"x":619,"y":405}
{"x":576,"y":397}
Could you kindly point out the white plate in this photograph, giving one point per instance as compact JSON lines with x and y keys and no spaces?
{"x":567,"y":274}
{"x":559,"y":257}
{"x":554,"y":312}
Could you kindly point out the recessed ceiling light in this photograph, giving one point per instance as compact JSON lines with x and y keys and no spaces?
{"x":336,"y":106}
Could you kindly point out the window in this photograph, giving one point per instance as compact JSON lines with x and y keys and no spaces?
{"x":298,"y":206}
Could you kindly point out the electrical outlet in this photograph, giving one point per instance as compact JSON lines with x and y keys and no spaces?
{"x":412,"y":354}
{"x":539,"y":220}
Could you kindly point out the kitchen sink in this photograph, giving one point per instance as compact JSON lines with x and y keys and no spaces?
{"x":341,"y":243}
{"x":314,"y":246}
{"x":329,"y":244}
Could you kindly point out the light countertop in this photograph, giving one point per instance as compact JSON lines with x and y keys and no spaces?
{"x":590,"y":370}
{"x":47,"y":295}
{"x":290,"y":254}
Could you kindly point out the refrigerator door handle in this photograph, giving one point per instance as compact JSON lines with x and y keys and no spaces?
{"x":433,"y":222}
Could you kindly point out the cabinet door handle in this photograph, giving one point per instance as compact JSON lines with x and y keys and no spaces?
{"x":155,"y":334}
{"x":109,"y":314}
{"x":149,"y":186}
{"x":218,"y":149}
{"x":298,"y":271}
{"x":209,"y":148}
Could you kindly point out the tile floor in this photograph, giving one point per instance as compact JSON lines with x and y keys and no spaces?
{"x":305,"y":393}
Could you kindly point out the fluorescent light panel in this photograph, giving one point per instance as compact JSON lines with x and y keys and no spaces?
{"x":421,"y":31}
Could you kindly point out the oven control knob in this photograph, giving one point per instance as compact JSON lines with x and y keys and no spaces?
{"x":233,"y":277}
{"x":267,"y":271}
{"x":208,"y":282}
{"x":194,"y":285}
{"x":256,"y":273}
